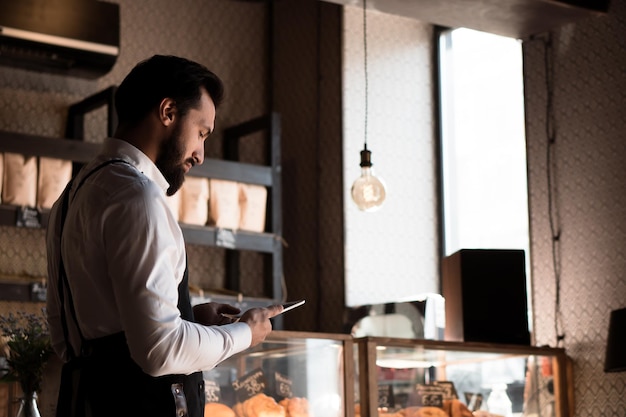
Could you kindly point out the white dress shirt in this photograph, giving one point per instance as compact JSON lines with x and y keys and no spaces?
{"x":124,"y":256}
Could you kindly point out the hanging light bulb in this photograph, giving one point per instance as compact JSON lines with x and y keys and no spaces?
{"x":368,"y":192}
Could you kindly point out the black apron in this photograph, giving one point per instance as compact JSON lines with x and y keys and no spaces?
{"x":104,"y":381}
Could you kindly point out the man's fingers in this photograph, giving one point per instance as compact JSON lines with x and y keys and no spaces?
{"x":274,"y":310}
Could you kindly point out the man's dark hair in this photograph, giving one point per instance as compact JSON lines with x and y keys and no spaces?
{"x":164,"y":76}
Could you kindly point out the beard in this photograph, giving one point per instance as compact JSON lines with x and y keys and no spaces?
{"x":170,"y":161}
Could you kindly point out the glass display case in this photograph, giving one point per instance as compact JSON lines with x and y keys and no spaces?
{"x":290,"y":374}
{"x":415,"y":378}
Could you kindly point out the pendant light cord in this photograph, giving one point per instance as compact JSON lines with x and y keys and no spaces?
{"x":365,"y":70}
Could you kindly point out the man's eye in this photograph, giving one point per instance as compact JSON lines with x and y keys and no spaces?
{"x":203,"y":135}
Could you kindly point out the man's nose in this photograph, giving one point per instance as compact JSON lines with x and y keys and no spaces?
{"x":198,"y":155}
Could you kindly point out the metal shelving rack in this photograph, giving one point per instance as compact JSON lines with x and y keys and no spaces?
{"x":269,"y":242}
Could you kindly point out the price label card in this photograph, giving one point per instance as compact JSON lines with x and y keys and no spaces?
{"x":449,"y":391}
{"x":249,"y":385}
{"x":212,"y":392}
{"x":429,"y":396}
{"x":225,"y":238}
{"x":385,"y":396}
{"x":473,"y":400}
{"x":282,"y":386}
{"x":28,"y":217}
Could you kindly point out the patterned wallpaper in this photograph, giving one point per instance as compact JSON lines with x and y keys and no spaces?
{"x":588,"y":62}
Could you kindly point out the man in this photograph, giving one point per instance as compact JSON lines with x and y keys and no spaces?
{"x":118,"y":303}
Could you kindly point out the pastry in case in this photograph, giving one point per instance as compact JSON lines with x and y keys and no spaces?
{"x":290,"y":374}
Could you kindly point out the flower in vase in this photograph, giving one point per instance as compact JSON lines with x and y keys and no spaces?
{"x":27,"y":348}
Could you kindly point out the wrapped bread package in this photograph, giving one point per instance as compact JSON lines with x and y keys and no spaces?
{"x":53,"y":176}
{"x":194,"y":201}
{"x":252,"y":203}
{"x":224,"y":209}
{"x":19,"y":185}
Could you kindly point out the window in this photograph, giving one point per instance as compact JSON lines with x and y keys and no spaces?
{"x":483,"y":142}
{"x":483,"y":145}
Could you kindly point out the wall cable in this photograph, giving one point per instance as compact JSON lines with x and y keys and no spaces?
{"x":553,"y":209}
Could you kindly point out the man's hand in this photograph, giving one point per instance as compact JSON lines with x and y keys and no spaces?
{"x":259,"y":321}
{"x":212,"y":313}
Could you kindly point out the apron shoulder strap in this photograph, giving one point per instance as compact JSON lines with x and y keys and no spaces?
{"x":63,"y":286}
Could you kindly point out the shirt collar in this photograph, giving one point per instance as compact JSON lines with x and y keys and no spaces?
{"x":117,"y":148}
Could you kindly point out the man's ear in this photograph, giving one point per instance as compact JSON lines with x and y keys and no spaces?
{"x":167,"y":111}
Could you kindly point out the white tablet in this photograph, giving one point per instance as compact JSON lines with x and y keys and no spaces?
{"x":290,"y":305}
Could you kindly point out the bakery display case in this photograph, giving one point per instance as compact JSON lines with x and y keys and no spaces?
{"x":428,"y":378}
{"x":290,"y":374}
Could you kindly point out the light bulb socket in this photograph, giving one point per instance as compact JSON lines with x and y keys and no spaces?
{"x":366,"y":158}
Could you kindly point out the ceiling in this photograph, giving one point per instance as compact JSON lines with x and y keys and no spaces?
{"x":512,"y":18}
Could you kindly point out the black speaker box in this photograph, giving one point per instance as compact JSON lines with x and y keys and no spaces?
{"x":485,"y":296}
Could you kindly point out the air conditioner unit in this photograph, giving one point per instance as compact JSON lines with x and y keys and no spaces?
{"x":78,"y":38}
